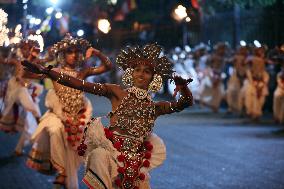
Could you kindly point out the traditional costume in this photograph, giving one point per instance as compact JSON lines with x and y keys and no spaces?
{"x":211,"y":86}
{"x":116,"y":160}
{"x":278,"y":99}
{"x":60,"y":129}
{"x":256,"y":86}
{"x":21,"y":100}
{"x":234,"y":92}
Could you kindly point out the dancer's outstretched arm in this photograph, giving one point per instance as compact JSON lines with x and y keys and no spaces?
{"x":105,"y":66}
{"x":94,"y":88}
{"x":33,"y":57}
{"x":185,"y":100}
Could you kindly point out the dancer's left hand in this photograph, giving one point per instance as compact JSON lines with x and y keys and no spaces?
{"x":180,"y":83}
{"x":91,"y":51}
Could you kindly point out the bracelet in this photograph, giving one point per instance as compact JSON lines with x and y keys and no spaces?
{"x":83,"y":83}
{"x":60,"y":77}
{"x":174,"y":108}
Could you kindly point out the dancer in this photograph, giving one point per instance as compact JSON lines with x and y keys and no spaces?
{"x":256,"y":84}
{"x":234,"y":94}
{"x":121,"y":155}
{"x":212,"y":87}
{"x":21,"y":110}
{"x":60,"y":129}
{"x":278,"y":98}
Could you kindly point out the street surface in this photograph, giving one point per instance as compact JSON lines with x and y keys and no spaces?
{"x":204,"y":150}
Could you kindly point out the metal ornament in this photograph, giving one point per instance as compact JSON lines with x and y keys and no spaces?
{"x":127,"y":77}
{"x":156,"y":84}
{"x":150,"y":54}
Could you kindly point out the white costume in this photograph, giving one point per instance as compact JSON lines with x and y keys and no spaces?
{"x":102,"y":158}
{"x":234,"y":93}
{"x":255,"y":87}
{"x":21,"y":109}
{"x":212,"y":90}
{"x":5,"y":71}
{"x":114,"y":160}
{"x":278,"y":99}
{"x":58,"y":134}
{"x":211,"y":86}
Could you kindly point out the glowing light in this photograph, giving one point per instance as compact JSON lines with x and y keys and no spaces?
{"x":180,"y":13}
{"x":243,"y":43}
{"x":32,"y":20}
{"x":80,"y":33}
{"x":38,"y":32}
{"x":114,"y":2}
{"x":49,"y":10}
{"x":54,"y":1}
{"x":104,"y":25}
{"x":37,"y":21}
{"x":177,"y":49}
{"x":182,"y":55}
{"x":3,"y":29}
{"x":18,"y":28}
{"x":18,"y":35}
{"x":25,"y":6}
{"x":175,"y":57}
{"x":58,"y":15}
{"x":187,"y":19}
{"x":256,"y":43}
{"x":187,"y":48}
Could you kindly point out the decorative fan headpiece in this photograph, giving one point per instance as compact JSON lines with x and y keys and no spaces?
{"x":67,"y":42}
{"x":150,"y":54}
{"x":28,"y":43}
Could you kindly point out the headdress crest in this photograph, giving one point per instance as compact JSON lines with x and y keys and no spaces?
{"x":149,"y":54}
{"x":28,"y":42}
{"x":67,"y":42}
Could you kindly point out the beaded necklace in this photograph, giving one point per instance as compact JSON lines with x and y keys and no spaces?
{"x":136,"y":113}
{"x":72,"y":100}
{"x":73,"y":105}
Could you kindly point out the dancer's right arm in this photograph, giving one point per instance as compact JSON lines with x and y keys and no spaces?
{"x":107,"y":90}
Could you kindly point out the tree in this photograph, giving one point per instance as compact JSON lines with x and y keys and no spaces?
{"x":211,"y":6}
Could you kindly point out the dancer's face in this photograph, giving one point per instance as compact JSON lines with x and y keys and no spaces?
{"x":142,"y":76}
{"x":71,"y":56}
{"x":25,"y":51}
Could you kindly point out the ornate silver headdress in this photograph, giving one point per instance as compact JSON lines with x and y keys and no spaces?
{"x":151,"y":55}
{"x":28,"y":42}
{"x":67,"y":42}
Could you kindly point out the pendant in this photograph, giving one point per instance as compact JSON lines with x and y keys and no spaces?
{"x":139,"y":93}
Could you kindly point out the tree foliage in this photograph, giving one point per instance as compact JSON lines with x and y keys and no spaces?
{"x":212,"y":6}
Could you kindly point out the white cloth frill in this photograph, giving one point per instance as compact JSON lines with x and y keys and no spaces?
{"x":211,"y":95}
{"x":253,"y":102}
{"x":97,"y":142}
{"x":235,"y":94}
{"x":28,"y":108}
{"x":51,"y":145}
